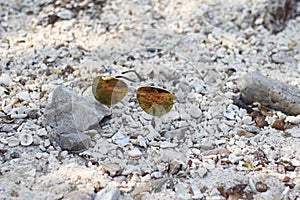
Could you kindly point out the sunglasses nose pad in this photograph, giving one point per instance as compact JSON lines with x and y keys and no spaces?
{"x":119,"y":91}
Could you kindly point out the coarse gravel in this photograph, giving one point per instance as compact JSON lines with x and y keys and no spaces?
{"x":204,"y":148}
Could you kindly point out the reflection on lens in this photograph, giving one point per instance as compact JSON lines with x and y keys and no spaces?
{"x":155,"y":101}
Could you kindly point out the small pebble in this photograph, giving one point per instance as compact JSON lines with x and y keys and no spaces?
{"x":286,"y":179}
{"x":295,"y":132}
{"x":279,"y":58}
{"x":5,"y":79}
{"x":166,"y":144}
{"x":295,"y":162}
{"x":142,"y":141}
{"x":47,"y":143}
{"x":14,"y":155}
{"x":247,"y":120}
{"x":156,"y":175}
{"x":285,"y":191}
{"x":259,"y":21}
{"x":197,"y":192}
{"x":111,"y":168}
{"x":182,"y":191}
{"x":18,"y":116}
{"x":293,"y":119}
{"x":42,"y":132}
{"x":65,"y":14}
{"x":3,"y":140}
{"x":120,"y":139}
{"x":31,"y":173}
{"x":37,"y":140}
{"x":32,"y":113}
{"x":251,"y":129}
{"x":229,"y":113}
{"x":2,"y":114}
{"x":278,"y":124}
{"x":195,"y":111}
{"x":251,"y":184}
{"x":24,"y":96}
{"x":202,"y":172}
{"x":261,"y":187}
{"x":135,"y":153}
{"x":240,"y":143}
{"x":221,"y":141}
{"x":290,"y":168}
{"x":64,"y":153}
{"x":7,"y":108}
{"x":146,"y":116}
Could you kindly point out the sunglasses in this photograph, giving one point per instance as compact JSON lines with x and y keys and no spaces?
{"x":153,"y":100}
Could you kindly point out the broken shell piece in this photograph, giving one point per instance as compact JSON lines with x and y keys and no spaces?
{"x":12,"y":141}
{"x":229,"y":113}
{"x":26,"y":139}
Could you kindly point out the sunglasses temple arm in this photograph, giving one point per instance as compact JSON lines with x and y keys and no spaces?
{"x":139,"y":77}
{"x":128,"y":79}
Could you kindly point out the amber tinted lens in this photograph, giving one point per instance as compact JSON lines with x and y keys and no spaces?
{"x":108,"y":90}
{"x":155,"y":101}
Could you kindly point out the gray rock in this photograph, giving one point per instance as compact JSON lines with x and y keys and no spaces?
{"x":75,"y":112}
{"x":255,"y":87}
{"x":70,"y":139}
{"x":108,"y":194}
